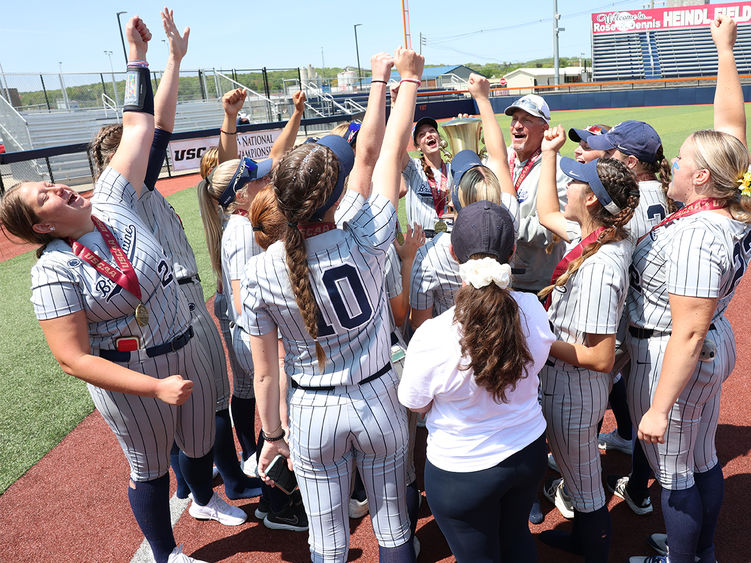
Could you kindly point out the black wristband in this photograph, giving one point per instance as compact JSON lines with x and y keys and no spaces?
{"x":268,"y":438}
{"x":139,"y":94}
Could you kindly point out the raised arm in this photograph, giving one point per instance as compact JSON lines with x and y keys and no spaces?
{"x":132,"y":155}
{"x":232,"y":102}
{"x":370,"y":137}
{"x":729,"y":110}
{"x":286,"y":139}
{"x":387,"y":173}
{"x":479,"y":87}
{"x":548,"y":206}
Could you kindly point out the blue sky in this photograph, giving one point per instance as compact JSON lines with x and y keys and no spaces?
{"x":35,"y":35}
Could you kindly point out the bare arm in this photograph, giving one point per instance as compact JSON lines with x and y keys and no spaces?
{"x":691,"y":319}
{"x":729,"y":109}
{"x":132,"y":155}
{"x":597,"y":354}
{"x":387,"y":173}
{"x":370,"y":137}
{"x":548,"y":206}
{"x":165,"y":99}
{"x":286,"y":139}
{"x":68,"y":339}
{"x":232,"y":101}
{"x":413,"y":239}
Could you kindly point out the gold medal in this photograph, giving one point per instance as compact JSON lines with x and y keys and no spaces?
{"x":440,"y":226}
{"x":142,"y":315}
{"x":399,"y":237}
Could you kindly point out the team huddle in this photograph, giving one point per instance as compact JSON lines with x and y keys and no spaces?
{"x":527,"y":292}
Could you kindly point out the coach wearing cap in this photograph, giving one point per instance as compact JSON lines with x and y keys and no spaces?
{"x":532,"y":266}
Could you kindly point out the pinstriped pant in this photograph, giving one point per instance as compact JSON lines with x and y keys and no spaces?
{"x":220,"y":311}
{"x":330,"y":433}
{"x":574,"y":402}
{"x":207,"y":334}
{"x":242,"y":378}
{"x":146,"y":427}
{"x":692,"y":423}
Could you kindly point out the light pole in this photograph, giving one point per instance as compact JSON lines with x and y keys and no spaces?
{"x":556,"y":31}
{"x":112,"y":71}
{"x":357,"y":50}
{"x":122,"y":39}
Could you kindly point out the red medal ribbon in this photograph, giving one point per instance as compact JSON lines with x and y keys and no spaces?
{"x":572,"y":255}
{"x":126,"y":276}
{"x":704,"y":204}
{"x":439,"y":195}
{"x":241,"y":212}
{"x":312,"y":229}
{"x":531,"y":161}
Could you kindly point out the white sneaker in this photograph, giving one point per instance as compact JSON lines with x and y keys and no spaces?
{"x":613,"y":441}
{"x":555,"y":493}
{"x":250,"y":466}
{"x":218,"y":510}
{"x":358,"y":508}
{"x":177,"y":556}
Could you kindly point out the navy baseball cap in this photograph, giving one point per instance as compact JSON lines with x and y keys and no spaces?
{"x":631,"y":138}
{"x":483,"y":227}
{"x":346,"y":157}
{"x":587,"y":172}
{"x":533,"y":105}
{"x":577,"y":135}
{"x":423,"y":121}
{"x":460,"y":164}
{"x":247,"y":171}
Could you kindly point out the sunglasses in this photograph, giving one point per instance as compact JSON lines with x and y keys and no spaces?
{"x":247,"y":171}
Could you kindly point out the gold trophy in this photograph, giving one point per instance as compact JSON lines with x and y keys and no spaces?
{"x":462,"y":133}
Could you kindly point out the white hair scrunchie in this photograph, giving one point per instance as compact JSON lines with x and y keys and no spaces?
{"x":484,"y":271}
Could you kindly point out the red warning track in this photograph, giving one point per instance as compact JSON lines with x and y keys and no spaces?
{"x":73,"y":506}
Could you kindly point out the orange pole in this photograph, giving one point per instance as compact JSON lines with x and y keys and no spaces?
{"x":405,"y":24}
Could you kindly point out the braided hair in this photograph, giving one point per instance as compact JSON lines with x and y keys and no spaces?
{"x":623,"y":189}
{"x":104,"y":146}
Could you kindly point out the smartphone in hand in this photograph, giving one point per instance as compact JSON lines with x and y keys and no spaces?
{"x":279,"y":472}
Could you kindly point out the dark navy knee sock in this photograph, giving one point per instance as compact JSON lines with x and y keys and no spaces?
{"x":682,"y":512}
{"x":174,"y":460}
{"x":149,"y":501}
{"x":244,"y":417}
{"x":404,"y":553}
{"x":593,"y":534}
{"x":619,"y":406}
{"x":236,"y":484}
{"x":638,"y":483}
{"x":711,"y":487}
{"x":197,"y":473}
{"x":413,"y":506}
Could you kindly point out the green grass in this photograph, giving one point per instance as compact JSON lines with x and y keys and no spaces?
{"x":39,"y":404}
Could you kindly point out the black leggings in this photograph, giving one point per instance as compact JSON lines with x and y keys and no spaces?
{"x":483,"y":514}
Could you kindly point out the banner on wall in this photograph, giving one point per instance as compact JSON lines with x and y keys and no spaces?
{"x":680,"y":17}
{"x":186,"y":155}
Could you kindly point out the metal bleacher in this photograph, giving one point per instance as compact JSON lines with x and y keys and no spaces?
{"x":675,"y":53}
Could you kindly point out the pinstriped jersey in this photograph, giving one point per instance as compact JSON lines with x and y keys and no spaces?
{"x":435,"y":276}
{"x":392,"y":280}
{"x":592,"y":300}
{"x":238,"y":247}
{"x":167,"y":228}
{"x":419,"y":198}
{"x":346,"y":270}
{"x":652,"y":209}
{"x":63,"y":284}
{"x":702,"y":255}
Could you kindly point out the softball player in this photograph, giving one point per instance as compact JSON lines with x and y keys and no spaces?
{"x":683,"y":277}
{"x":124,"y":329}
{"x":435,"y":273}
{"x":166,"y":226}
{"x":585,"y":303}
{"x":323,"y":288}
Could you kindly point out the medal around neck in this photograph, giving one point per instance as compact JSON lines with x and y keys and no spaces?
{"x":142,"y":315}
{"x":440,"y":226}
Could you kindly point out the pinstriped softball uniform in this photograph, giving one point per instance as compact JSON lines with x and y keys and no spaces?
{"x":574,"y":399}
{"x":419,"y":198}
{"x":703,"y":255}
{"x":62,"y":284}
{"x":652,"y":209}
{"x":354,"y":424}
{"x":435,"y":276}
{"x":238,"y":247}
{"x":167,"y":228}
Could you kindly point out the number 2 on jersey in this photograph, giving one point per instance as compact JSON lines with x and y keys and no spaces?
{"x":348,"y":298}
{"x":740,"y":258}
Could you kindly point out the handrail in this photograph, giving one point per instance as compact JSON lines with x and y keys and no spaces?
{"x":109,"y":103}
{"x":17,"y":117}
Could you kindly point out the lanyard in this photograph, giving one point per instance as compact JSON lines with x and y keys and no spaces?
{"x":312,"y":229}
{"x":531,"y":161}
{"x":439,"y":195}
{"x":572,"y":255}
{"x":126,"y":276}
{"x":704,"y":204}
{"x":241,"y":212}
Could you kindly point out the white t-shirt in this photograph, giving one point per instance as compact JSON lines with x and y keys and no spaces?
{"x":468,"y":430}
